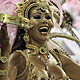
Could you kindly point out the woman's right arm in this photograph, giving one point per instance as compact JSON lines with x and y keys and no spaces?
{"x":5,"y":51}
{"x":12,"y":67}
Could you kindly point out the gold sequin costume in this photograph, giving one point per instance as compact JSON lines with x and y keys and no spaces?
{"x":23,"y":11}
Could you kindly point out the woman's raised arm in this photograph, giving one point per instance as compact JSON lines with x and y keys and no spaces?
{"x":5,"y":51}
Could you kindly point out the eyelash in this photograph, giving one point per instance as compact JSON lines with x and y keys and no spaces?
{"x":39,"y":17}
{"x":48,"y":17}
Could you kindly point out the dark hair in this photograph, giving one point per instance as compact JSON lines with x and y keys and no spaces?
{"x":19,"y":43}
{"x":29,"y":12}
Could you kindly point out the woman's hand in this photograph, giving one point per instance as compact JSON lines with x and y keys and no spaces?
{"x":5,"y":42}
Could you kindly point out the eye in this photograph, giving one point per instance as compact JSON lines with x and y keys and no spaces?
{"x":48,"y":17}
{"x":37,"y":16}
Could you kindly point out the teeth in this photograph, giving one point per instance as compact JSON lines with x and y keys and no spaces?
{"x":43,"y":32}
{"x":44,"y":28}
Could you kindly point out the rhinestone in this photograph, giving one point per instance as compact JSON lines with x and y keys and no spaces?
{"x":4,"y":73}
{"x":28,"y":51}
{"x":42,"y":78}
{"x":38,"y":57}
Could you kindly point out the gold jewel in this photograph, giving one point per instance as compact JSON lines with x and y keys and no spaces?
{"x":33,"y":48}
{"x":42,"y":77}
{"x":25,"y":23}
{"x":38,"y":57}
{"x":28,"y":51}
{"x":3,"y":59}
{"x":42,"y":50}
{"x":3,"y":72}
{"x":26,"y":37}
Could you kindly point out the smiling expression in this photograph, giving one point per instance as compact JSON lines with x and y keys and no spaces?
{"x":42,"y":24}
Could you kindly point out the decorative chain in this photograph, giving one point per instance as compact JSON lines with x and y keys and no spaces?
{"x":3,"y":72}
{"x":3,"y":59}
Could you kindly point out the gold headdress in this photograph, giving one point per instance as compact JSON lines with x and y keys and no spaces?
{"x":23,"y":13}
{"x":25,"y":6}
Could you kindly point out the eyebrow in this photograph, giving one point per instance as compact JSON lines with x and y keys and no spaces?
{"x":37,"y":13}
{"x":42,"y":11}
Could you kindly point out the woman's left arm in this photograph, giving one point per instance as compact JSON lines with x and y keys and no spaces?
{"x":71,"y":68}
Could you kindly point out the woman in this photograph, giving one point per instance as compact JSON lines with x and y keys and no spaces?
{"x":34,"y":55}
{"x":37,"y":47}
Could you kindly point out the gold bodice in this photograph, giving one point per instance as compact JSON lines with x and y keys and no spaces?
{"x":40,"y":64}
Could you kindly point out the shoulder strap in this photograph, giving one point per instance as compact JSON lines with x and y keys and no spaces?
{"x":27,"y":63}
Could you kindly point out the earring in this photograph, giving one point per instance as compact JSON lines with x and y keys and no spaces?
{"x":26,"y":37}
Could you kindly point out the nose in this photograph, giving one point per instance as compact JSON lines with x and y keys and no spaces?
{"x":44,"y":20}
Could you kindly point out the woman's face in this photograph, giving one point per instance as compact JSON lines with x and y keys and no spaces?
{"x":42,"y":25}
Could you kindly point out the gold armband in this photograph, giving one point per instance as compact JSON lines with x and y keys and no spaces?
{"x":3,"y":72}
{"x":15,"y":20}
{"x":5,"y":18}
{"x":3,"y":59}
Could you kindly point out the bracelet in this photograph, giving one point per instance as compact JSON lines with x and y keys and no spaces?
{"x":3,"y":59}
{"x":19,"y":21}
{"x":3,"y":72}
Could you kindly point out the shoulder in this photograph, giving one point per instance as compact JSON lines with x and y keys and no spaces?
{"x":17,"y":57}
{"x":19,"y":60}
{"x":54,"y":47}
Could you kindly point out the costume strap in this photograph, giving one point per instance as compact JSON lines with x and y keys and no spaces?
{"x":26,"y":70}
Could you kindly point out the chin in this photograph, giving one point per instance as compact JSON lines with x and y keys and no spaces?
{"x":42,"y":39}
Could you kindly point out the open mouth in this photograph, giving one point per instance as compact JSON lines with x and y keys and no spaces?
{"x":43,"y":30}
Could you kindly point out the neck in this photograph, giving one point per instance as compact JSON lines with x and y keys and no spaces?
{"x":38,"y":44}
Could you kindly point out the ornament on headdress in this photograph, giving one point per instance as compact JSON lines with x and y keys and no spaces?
{"x":26,"y":5}
{"x":23,"y":9}
{"x":16,"y":20}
